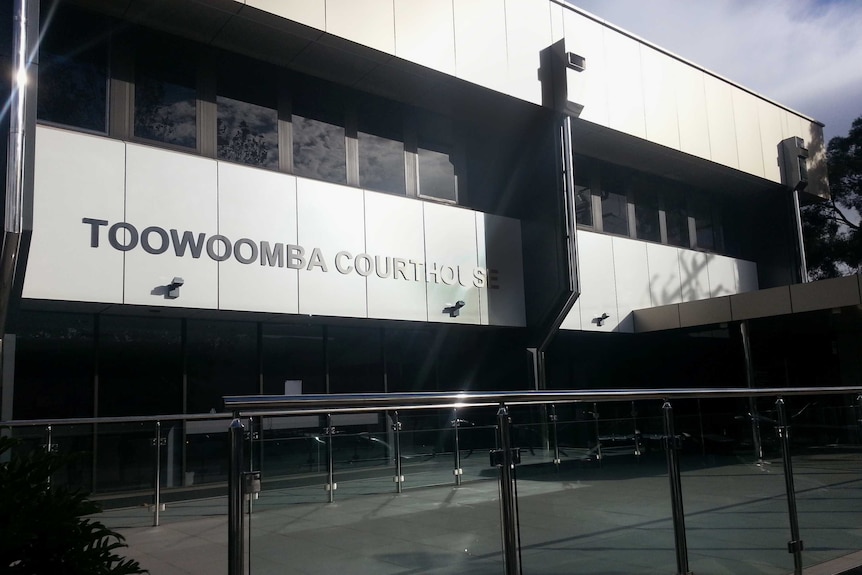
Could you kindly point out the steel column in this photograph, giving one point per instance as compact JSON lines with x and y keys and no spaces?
{"x":235,"y":495}
{"x":399,"y":476}
{"x":795,"y":545}
{"x":671,"y":446}
{"x":508,"y":495}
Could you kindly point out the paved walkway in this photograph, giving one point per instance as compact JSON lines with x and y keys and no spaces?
{"x":613,"y":519}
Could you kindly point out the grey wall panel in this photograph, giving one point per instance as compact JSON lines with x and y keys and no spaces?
{"x":480,"y":42}
{"x":425,"y":33}
{"x":747,"y":126}
{"x":528,"y":32}
{"x":259,"y":206}
{"x":76,"y":177}
{"x":450,"y":248}
{"x":665,"y":284}
{"x":763,"y":303}
{"x":719,"y":113}
{"x":691,"y":108}
{"x":394,"y":228}
{"x":723,"y":275}
{"x":825,"y":294}
{"x":661,"y":115}
{"x":309,"y":12}
{"x":625,"y":84}
{"x":367,"y":22}
{"x":499,"y":250}
{"x":631,"y":273}
{"x":705,"y":312}
{"x":177,"y":191}
{"x":330,"y":219}
{"x":588,"y":88}
{"x":598,"y":282}
{"x":693,"y":275}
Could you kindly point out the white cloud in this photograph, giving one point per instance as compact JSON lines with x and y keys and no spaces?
{"x":805,"y":54}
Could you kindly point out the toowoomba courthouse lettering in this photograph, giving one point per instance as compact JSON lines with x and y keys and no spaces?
{"x":155,"y":240}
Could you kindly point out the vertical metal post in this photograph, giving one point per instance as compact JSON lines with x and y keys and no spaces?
{"x":598,"y":437}
{"x":636,"y":433}
{"x":157,"y":481}
{"x":797,"y":216}
{"x":671,"y":446}
{"x":330,"y":468}
{"x":859,"y":414}
{"x":508,"y":497}
{"x":49,"y":447}
{"x":795,"y":545}
{"x":553,"y":418}
{"x":399,"y":476}
{"x":752,"y":401}
{"x":456,"y":424}
{"x":235,"y":495}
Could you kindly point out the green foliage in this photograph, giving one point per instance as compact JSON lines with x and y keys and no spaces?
{"x":44,"y":529}
{"x":833,"y":241}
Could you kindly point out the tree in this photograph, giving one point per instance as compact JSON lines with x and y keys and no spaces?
{"x":46,"y":528}
{"x":833,"y":241}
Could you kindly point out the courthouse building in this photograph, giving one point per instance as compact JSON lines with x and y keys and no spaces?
{"x":225,"y":197}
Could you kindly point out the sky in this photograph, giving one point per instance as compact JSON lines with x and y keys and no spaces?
{"x":804,"y":54}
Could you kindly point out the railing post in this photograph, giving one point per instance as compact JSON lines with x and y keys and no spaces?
{"x":158,"y":441}
{"x":752,"y":401}
{"x":671,"y":445}
{"x":598,"y":436}
{"x":859,"y":413}
{"x":399,"y":476}
{"x":330,"y":486}
{"x":235,"y":496}
{"x":49,"y":447}
{"x":795,"y":545}
{"x":505,"y":459}
{"x":553,"y":418}
{"x":456,"y":425}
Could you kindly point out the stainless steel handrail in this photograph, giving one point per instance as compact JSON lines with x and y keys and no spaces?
{"x":250,"y":405}
{"x":125,"y":419}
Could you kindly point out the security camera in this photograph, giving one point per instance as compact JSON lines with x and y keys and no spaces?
{"x":174,"y":288}
{"x":454,"y":310}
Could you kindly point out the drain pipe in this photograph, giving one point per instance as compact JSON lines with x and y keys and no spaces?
{"x":22,"y":122}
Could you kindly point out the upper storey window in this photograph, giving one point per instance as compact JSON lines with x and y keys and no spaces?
{"x":437,"y":175}
{"x":247,"y":118}
{"x":317,"y":124}
{"x":381,"y":149}
{"x":73,"y":70}
{"x":165,"y":93}
{"x":614,"y":204}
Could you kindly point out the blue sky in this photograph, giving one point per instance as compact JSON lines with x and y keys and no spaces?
{"x":805,"y":54}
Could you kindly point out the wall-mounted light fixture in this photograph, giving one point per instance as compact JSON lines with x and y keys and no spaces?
{"x":600,"y":321}
{"x":174,"y":288}
{"x":454,"y":310}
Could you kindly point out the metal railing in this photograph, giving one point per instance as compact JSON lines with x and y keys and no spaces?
{"x":506,"y":457}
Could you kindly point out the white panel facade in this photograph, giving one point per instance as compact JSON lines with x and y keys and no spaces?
{"x":573,"y":318}
{"x":588,"y":88}
{"x":367,"y":22}
{"x":395,"y":237}
{"x":259,"y":206}
{"x":665,"y":286}
{"x":309,"y":12}
{"x":625,"y":84}
{"x":631,"y":274}
{"x":693,"y":275}
{"x":691,"y":109}
{"x":480,"y":42}
{"x":558,"y":30}
{"x":450,"y":258}
{"x":76,"y":177}
{"x":528,"y":32}
{"x":425,"y":34}
{"x":330,"y":220}
{"x":171,"y":191}
{"x":661,"y":116}
{"x":747,"y":125}
{"x":723,"y":275}
{"x":719,"y":112}
{"x":499,"y":248}
{"x":598,"y":282}
{"x":769,"y":122}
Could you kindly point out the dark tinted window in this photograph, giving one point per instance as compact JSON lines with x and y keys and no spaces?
{"x":437,"y":174}
{"x":615,"y":218}
{"x":646,"y":214}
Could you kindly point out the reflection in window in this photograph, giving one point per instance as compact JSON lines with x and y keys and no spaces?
{"x":247,"y":133}
{"x":318,"y":150}
{"x":293,"y":353}
{"x":355,"y":359}
{"x":73,"y":75}
{"x":583,"y":195}
{"x":614,"y":208}
{"x":703,"y":224}
{"x":437,"y":175}
{"x":165,"y":111}
{"x":381,"y":164}
{"x":646,"y":215}
{"x":676,"y":218}
{"x":221,"y":360}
